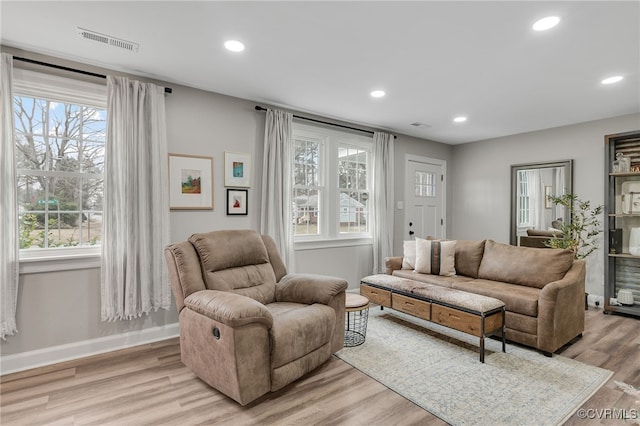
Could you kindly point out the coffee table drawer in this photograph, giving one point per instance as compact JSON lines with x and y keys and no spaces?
{"x":458,"y":320}
{"x":376,"y":295}
{"x":418,"y":308}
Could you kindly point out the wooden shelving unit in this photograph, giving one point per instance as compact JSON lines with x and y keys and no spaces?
{"x":622,"y":270}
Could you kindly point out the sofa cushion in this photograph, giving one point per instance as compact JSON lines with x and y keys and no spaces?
{"x":531,"y":267}
{"x":435,"y":257}
{"x":298,"y":330}
{"x":517,"y":298}
{"x":468,"y":257}
{"x":409,"y":254}
{"x":229,"y":249}
{"x":236,"y":261}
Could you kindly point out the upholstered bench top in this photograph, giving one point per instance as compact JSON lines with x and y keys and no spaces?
{"x":449,"y":296}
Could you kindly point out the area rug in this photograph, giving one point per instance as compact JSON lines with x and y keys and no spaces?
{"x":438,"y":369}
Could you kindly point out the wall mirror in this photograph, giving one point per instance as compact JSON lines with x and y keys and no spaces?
{"x":531,"y":185}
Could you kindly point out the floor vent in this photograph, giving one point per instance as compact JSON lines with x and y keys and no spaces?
{"x":106,"y":39}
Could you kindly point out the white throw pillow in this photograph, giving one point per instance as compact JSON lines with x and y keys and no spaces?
{"x":435,"y":257}
{"x":409,"y":253}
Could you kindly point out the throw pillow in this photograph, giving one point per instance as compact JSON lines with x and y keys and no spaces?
{"x":409,"y":252}
{"x":435,"y":257}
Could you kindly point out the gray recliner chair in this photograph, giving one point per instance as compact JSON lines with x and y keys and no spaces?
{"x":246,"y":326}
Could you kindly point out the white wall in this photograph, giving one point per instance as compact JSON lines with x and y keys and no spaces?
{"x":481,"y":178}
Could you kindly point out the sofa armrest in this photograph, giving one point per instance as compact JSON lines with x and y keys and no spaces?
{"x":393,"y":263}
{"x":229,"y":308}
{"x":309,"y":288}
{"x":561,"y":309}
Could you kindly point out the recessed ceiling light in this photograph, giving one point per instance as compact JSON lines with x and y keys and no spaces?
{"x":460,"y":119}
{"x":378,"y":93}
{"x":234,"y":45}
{"x":546,"y":23}
{"x":612,"y":80}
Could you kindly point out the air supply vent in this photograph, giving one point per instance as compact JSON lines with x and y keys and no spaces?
{"x":106,"y":39}
{"x":418,"y":124}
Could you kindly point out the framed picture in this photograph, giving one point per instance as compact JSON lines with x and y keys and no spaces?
{"x":237,"y":201}
{"x":190,"y":182}
{"x":547,"y":197}
{"x":237,"y":169}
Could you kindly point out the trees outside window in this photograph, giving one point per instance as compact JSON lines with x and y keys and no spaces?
{"x":331,"y":183}
{"x":60,"y":148}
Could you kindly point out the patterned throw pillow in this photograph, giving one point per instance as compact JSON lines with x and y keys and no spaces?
{"x":409,"y":252}
{"x":435,"y":257}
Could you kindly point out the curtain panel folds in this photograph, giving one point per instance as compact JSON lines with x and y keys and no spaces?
{"x":9,"y":246}
{"x":136,"y":207}
{"x":382,"y":199}
{"x":277,"y":204}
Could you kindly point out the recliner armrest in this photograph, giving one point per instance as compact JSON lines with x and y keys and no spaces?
{"x":309,"y":288}
{"x":229,"y":308}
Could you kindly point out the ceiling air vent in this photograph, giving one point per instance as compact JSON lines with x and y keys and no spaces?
{"x":106,"y":39}
{"x":418,"y":124}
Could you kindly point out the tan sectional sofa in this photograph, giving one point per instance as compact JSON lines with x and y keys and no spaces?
{"x":543,"y":289}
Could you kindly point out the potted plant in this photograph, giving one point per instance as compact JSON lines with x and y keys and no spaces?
{"x":581,"y":233}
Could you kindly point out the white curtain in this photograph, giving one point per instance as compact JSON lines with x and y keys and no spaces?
{"x":9,"y":249}
{"x":136,"y":207}
{"x":277,"y":204}
{"x":536,"y":199}
{"x":382,"y":200}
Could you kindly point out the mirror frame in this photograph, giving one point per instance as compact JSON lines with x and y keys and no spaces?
{"x":568,"y":180}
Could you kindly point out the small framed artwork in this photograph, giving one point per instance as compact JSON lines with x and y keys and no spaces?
{"x":237,"y":169}
{"x":547,"y":197}
{"x":190,"y":182}
{"x":237,"y":201}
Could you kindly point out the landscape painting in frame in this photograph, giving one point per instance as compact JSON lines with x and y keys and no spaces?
{"x":237,"y":169}
{"x":190,"y":182}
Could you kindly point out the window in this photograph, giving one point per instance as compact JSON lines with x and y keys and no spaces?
{"x":331,"y":183}
{"x":60,"y":127}
{"x":425,"y":184}
{"x":524,"y":213}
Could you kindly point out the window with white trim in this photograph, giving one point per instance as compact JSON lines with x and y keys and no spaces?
{"x":60,"y":128}
{"x":331,"y":183}
{"x":524,"y":211}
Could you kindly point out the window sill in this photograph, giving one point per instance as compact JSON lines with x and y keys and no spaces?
{"x":323,"y":244}
{"x":59,"y":262}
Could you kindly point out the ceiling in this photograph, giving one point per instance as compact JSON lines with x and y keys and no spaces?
{"x":435,"y":60}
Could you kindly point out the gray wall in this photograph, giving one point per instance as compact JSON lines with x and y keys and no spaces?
{"x":481,"y":178}
{"x":57,"y":308}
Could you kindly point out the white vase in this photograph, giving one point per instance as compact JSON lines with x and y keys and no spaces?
{"x":634,"y":241}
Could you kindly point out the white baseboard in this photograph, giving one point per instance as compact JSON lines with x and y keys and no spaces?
{"x":55,"y":354}
{"x":593,"y":298}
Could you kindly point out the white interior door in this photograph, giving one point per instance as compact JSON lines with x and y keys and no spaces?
{"x":425,"y":195}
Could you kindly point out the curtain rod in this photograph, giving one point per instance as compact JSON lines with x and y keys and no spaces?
{"x":60,"y":67}
{"x":259,"y":108}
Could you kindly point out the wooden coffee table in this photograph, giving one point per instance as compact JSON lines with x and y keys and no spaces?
{"x":474,"y":314}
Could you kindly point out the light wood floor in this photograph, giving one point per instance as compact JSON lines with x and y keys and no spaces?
{"x":149,"y":385}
